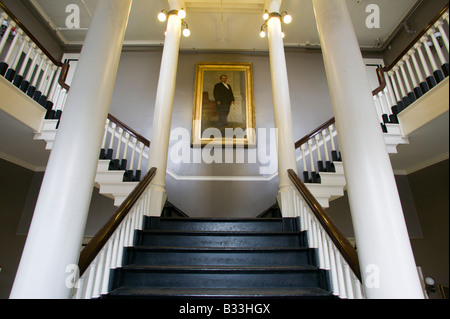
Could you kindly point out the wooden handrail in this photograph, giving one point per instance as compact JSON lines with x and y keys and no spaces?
{"x":96,"y":244}
{"x":417,"y":38}
{"x":63,"y":76}
{"x":30,"y":35}
{"x":381,"y":80}
{"x":388,"y":68}
{"x":128,"y":129}
{"x":345,"y":248}
{"x":316,"y":131}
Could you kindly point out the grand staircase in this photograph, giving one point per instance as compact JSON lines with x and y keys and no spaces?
{"x":220,"y":258}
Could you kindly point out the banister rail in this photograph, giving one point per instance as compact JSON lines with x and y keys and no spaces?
{"x":129,"y":130}
{"x":316,"y":131}
{"x":341,"y":242}
{"x":103,"y":235}
{"x":414,"y":72}
{"x":417,"y":38}
{"x":30,"y":35}
{"x":319,"y":151}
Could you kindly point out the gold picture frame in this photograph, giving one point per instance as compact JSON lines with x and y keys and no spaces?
{"x":209,"y":125}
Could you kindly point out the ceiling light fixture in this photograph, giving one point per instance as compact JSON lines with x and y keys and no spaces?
{"x":284,"y":16}
{"x":181,"y":14}
{"x":287,"y":18}
{"x":162,"y":16}
{"x":186,"y":31}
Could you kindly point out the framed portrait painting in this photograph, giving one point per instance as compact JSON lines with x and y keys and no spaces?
{"x":224,"y":110}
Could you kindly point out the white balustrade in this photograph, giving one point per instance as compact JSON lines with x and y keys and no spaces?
{"x":344,"y":283}
{"x":121,"y":146}
{"x":94,"y":281}
{"x":419,"y":70}
{"x":311,"y":154}
{"x":26,"y":66}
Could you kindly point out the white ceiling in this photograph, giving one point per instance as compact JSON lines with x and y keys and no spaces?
{"x":227,"y":24}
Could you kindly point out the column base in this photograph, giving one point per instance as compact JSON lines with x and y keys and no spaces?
{"x":285,"y":200}
{"x":158,"y":199}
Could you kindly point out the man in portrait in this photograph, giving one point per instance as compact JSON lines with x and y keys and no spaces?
{"x":224,"y":97}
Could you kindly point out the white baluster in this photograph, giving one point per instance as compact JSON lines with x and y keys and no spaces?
{"x":105,"y":134}
{"x":99,"y":275}
{"x":115,"y":249}
{"x":411,"y":72}
{"x":357,"y":286}
{"x":333,"y":145}
{"x":119,"y":143}
{"x":3,"y":17}
{"x":429,"y":53}
{"x":325,"y":146}
{"x":127,"y":231}
{"x":397,"y":96}
{"x":133,"y":153}
{"x":423,"y":60}
{"x":90,"y":279}
{"x":384,"y":101}
{"x":437,"y":46}
{"x":107,"y":266}
{"x":302,"y":147}
{"x":27,"y":57}
{"x":54,"y":87}
{"x":33,"y":64}
{"x":35,"y":76}
{"x":444,"y":36}
{"x":113,"y":136}
{"x":378,"y":107}
{"x":400,"y":82}
{"x":416,"y":64}
{"x":141,"y":153}
{"x":19,"y":53}
{"x":326,"y":253}
{"x":48,"y":82}
{"x":43,"y":79}
{"x":13,"y":46}
{"x":320,"y":246}
{"x":121,"y":245}
{"x":311,"y":160}
{"x":81,"y":284}
{"x":309,"y":230}
{"x":319,"y":155}
{"x":445,"y":16}
{"x":125,"y":149}
{"x":340,"y":273}
{"x":314,"y":232}
{"x":333,"y":269}
{"x":11,"y":25}
{"x":348,"y":281}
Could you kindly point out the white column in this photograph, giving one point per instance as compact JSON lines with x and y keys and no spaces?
{"x":282,"y":110}
{"x":57,"y":229}
{"x":162,"y":117}
{"x":385,"y":255}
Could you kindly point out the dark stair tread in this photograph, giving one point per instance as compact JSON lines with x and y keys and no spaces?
{"x":216,"y":249}
{"x":208,"y":268}
{"x":142,"y":292}
{"x":220,"y":233}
